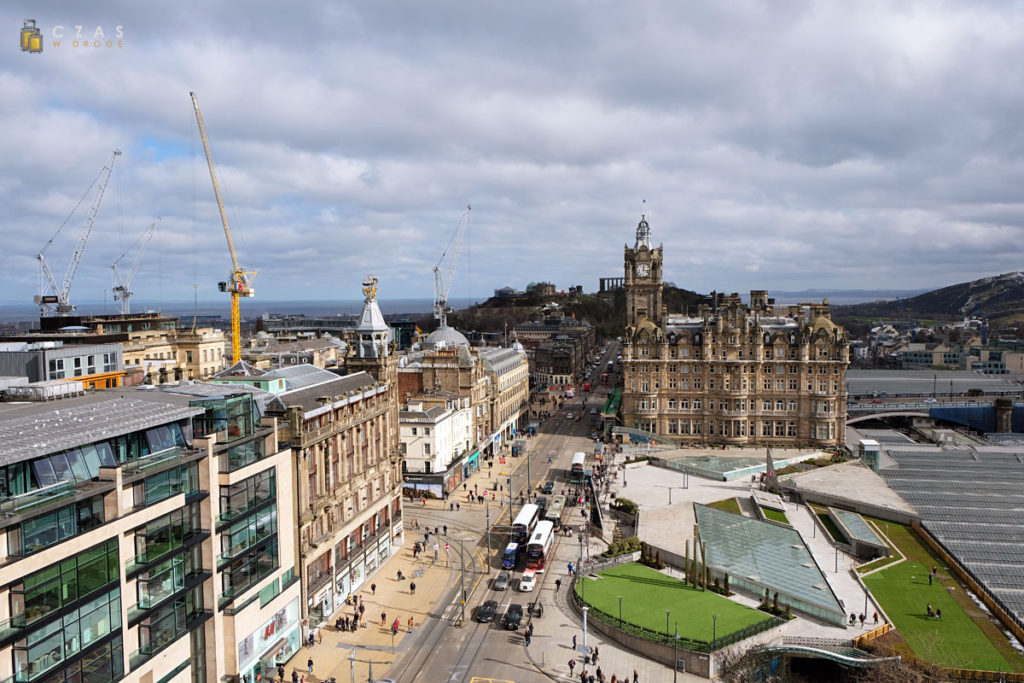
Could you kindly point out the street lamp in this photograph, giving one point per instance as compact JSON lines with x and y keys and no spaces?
{"x":667,"y":613}
{"x":714,"y":630}
{"x":675,"y":655}
{"x":620,"y":610}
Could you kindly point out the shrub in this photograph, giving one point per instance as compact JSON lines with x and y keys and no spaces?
{"x":625,"y":505}
{"x":623,"y":547}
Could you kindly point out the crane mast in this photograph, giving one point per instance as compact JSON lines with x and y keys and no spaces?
{"x":442,"y":287}
{"x":59,"y":301}
{"x":239,"y":282}
{"x":123,"y":282}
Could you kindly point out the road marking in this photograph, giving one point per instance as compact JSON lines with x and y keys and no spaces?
{"x":483,"y":679}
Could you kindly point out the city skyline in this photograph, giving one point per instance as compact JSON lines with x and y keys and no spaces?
{"x":811,"y":145}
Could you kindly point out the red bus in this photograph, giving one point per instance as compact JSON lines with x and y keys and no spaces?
{"x":586,"y":386}
{"x":538,"y":551}
{"x":604,"y":379}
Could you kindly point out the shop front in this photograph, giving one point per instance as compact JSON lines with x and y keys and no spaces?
{"x":471,"y":465}
{"x":271,"y":644}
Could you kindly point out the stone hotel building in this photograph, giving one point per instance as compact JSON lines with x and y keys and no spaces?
{"x":730,"y":372}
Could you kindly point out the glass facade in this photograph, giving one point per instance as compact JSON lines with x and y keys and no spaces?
{"x":170,"y":622}
{"x":236,"y":415}
{"x":161,"y":486}
{"x":165,"y":534}
{"x":43,"y":531}
{"x":81,"y":464}
{"x":247,"y":570}
{"x":65,"y":609}
{"x":166,"y":578}
{"x":247,"y":495}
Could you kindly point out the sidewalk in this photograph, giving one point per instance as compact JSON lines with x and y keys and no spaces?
{"x":374,"y":641}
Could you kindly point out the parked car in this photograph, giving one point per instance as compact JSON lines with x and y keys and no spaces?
{"x":549,"y":487}
{"x":501,"y":583}
{"x":528,"y":581}
{"x":513,"y":616}
{"x":485,"y":612}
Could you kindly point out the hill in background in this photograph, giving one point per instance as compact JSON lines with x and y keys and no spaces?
{"x":999,"y":298}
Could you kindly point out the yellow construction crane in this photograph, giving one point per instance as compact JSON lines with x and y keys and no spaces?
{"x":240,"y":280}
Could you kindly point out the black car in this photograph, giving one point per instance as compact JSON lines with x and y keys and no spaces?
{"x":549,"y":487}
{"x":513,"y":616}
{"x":485,"y":612}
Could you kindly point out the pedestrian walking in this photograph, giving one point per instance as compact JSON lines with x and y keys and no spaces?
{"x":373,"y":589}
{"x":319,"y":636}
{"x":636,"y":677}
{"x":295,"y":676}
{"x":409,"y":624}
{"x":938,"y":614}
{"x":574,"y":642}
{"x":876,"y":618}
{"x":594,"y":658}
{"x":309,"y":663}
{"x":412,"y":588}
{"x":930,"y":579}
{"x":445,"y":527}
{"x":558,"y":584}
{"x":280,"y":672}
{"x":464,"y":486}
{"x":451,"y":507}
{"x":600,"y":675}
{"x":362,"y":609}
{"x":383,"y":618}
{"x":458,"y":507}
{"x":527,"y":640}
{"x":572,"y":665}
{"x":862,"y":619}
{"x":310,"y":639}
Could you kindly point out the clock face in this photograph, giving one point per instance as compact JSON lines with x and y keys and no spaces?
{"x":643,"y":270}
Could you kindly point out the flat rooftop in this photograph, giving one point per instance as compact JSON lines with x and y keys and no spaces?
{"x":850,"y":481}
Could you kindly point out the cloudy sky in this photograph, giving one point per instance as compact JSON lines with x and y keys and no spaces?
{"x":780,"y":144}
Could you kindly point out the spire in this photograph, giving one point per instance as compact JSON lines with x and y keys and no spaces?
{"x":372,"y":330}
{"x":643,"y":230}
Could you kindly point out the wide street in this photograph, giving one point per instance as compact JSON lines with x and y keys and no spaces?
{"x":447,"y":648}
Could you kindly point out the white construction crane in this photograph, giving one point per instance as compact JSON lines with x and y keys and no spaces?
{"x":239,"y":282}
{"x":58,"y":300}
{"x":123,"y":282}
{"x":442,"y":287}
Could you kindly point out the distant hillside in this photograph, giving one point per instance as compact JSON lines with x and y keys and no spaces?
{"x":606,"y":311}
{"x":999,"y":298}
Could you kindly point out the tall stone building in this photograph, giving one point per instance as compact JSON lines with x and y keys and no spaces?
{"x":734,"y":373}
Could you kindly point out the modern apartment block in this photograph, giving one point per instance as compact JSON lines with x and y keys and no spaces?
{"x":734,"y":373}
{"x":146,"y":535}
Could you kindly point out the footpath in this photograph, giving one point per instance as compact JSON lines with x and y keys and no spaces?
{"x":374,"y":644}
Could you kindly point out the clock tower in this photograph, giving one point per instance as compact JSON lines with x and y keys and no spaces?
{"x":644,"y":279}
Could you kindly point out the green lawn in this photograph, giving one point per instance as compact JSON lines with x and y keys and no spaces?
{"x":955,"y":641}
{"x":775,"y":515}
{"x":729,"y":505}
{"x":647,"y":593}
